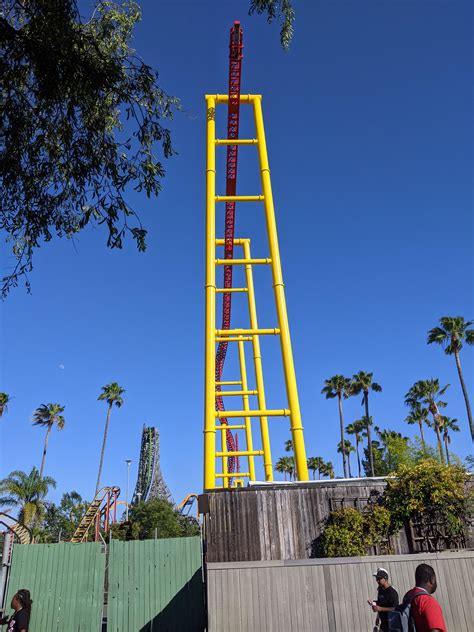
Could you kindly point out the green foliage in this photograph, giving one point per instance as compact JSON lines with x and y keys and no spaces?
{"x":393,"y":450}
{"x":81,"y":124}
{"x":60,"y":521}
{"x":315,"y":464}
{"x":327,"y":469}
{"x":157,"y":514}
{"x":380,"y":468}
{"x":451,"y":333}
{"x":362,"y":382}
{"x":4,"y":399}
{"x":432,"y":495}
{"x":27,"y":492}
{"x":349,"y":532}
{"x":112,"y":394}
{"x":281,"y":10}
{"x":49,"y":415}
{"x":336,"y":386}
{"x":427,"y":393}
{"x":286,"y":465}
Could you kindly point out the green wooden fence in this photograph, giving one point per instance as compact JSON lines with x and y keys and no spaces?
{"x":66,"y":582}
{"x":152,"y":585}
{"x":155,"y":585}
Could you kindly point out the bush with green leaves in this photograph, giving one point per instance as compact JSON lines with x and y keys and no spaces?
{"x":349,"y":532}
{"x":155,"y":516}
{"x":435,"y":497}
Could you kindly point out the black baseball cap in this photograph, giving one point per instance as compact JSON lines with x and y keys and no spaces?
{"x":381,"y":574}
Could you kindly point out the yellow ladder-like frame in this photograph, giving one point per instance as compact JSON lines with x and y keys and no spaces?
{"x":213,"y":335}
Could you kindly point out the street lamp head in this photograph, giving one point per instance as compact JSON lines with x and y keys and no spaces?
{"x":128,"y":461}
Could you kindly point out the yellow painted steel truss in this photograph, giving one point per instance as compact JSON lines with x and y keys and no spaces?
{"x":212,"y":428}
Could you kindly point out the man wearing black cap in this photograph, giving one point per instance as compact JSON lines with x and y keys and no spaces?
{"x":387,"y":599}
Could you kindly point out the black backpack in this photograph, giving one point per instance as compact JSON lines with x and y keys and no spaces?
{"x":400,"y":619}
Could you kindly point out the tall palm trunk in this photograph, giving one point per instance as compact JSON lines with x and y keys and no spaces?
{"x":349,"y":464}
{"x":341,"y":423}
{"x":464,"y":392}
{"x":357,"y":452}
{"x":422,"y":434}
{"x":437,"y":425}
{"x":446,"y":442}
{"x":46,"y":439}
{"x":369,"y":434}
{"x":103,"y":448}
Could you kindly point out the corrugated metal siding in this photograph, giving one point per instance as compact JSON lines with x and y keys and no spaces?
{"x":66,"y":582}
{"x":329,"y":595}
{"x":155,"y":585}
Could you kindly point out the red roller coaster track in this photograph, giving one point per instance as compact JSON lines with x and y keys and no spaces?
{"x":235,"y":71}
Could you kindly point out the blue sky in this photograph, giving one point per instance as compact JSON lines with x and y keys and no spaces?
{"x":369,"y":132}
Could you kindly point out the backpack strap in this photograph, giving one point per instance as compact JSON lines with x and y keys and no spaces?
{"x":408,"y":600}
{"x":420,"y":592}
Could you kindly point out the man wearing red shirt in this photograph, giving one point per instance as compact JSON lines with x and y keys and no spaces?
{"x":425,"y":610}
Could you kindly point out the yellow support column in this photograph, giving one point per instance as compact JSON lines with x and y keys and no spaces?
{"x":279,"y":291}
{"x":257,"y":359}
{"x":225,"y":471}
{"x":210,"y":325}
{"x":245,"y":405}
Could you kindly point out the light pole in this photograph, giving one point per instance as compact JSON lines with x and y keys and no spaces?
{"x":127,"y":461}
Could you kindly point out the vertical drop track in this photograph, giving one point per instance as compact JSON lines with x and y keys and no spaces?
{"x":235,"y":72}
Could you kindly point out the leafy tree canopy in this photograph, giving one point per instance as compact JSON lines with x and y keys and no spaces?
{"x":393,"y":450}
{"x":60,"y":521}
{"x":280,"y":10}
{"x":83,"y":123}
{"x":434,"y":496}
{"x":451,"y":333}
{"x":27,"y":492}
{"x":157,"y":514}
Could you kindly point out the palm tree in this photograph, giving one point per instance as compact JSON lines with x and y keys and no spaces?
{"x":291,"y":466}
{"x":362,"y":383}
{"x":428,"y":393}
{"x":48,"y":415}
{"x":285,"y":465}
{"x":449,"y":424}
{"x":315,"y":464}
{"x":4,"y":399}
{"x":418,"y":415}
{"x":347,"y":448}
{"x":112,"y":394}
{"x":328,"y":469}
{"x":288,"y":445}
{"x":452,"y":332}
{"x":281,"y":466}
{"x":357,"y":429}
{"x":338,"y":386}
{"x":27,"y":492}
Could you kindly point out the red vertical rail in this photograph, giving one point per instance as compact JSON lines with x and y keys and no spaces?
{"x":235,"y":72}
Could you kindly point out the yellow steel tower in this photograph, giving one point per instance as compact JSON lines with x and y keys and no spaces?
{"x":213,"y":431}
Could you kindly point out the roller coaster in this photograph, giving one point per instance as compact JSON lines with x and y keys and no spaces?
{"x":101,"y":513}
{"x":150,"y":481}
{"x":216,"y":418}
{"x":22,"y":533}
